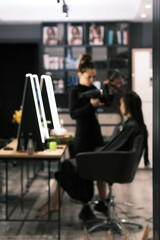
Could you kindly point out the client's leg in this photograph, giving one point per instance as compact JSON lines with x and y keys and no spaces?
{"x":53,"y":203}
{"x":102,"y":192}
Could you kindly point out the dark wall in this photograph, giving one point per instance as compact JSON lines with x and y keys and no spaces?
{"x":20,"y":33}
{"x":16,"y":60}
{"x":19,"y":50}
{"x":141,"y":35}
{"x":156,"y":119}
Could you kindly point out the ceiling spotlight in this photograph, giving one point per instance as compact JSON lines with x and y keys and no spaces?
{"x":58,"y":1}
{"x":66,"y":17}
{"x":64,"y":9}
{"x":148,"y":6}
{"x":143,"y":15}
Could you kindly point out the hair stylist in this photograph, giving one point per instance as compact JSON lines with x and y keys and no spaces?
{"x":88,"y":133}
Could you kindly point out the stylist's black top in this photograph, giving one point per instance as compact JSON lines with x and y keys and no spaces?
{"x":88,"y":133}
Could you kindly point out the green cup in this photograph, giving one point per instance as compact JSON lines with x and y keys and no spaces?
{"x":52,"y":146}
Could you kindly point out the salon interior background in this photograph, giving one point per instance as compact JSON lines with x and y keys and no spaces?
{"x":20,"y":38}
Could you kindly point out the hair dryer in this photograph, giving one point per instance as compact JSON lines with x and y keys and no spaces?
{"x":114,"y":75}
{"x":95,"y":93}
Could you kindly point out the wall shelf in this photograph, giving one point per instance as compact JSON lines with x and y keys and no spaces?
{"x":62,"y":43}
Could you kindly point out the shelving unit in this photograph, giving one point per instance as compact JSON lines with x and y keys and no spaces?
{"x":107,"y":42}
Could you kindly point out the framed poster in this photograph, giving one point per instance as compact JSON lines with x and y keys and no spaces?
{"x":96,"y":35}
{"x":75,"y":35}
{"x":50,"y":35}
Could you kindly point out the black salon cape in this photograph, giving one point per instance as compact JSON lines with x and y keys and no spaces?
{"x":82,"y":189}
{"x":124,"y":139}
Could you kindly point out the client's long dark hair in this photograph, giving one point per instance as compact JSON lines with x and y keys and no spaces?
{"x":133,"y":105}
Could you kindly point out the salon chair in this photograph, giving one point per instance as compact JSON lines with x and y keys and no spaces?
{"x":111,"y":167}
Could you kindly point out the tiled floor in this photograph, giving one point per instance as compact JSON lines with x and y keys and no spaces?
{"x":139,"y":193}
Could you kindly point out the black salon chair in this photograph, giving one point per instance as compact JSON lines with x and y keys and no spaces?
{"x":111,"y":167}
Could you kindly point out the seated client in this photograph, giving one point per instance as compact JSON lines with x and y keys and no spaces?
{"x":130,"y":107}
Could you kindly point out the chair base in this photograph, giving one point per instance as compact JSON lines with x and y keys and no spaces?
{"x":110,"y":223}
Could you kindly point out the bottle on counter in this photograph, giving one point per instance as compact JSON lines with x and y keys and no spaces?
{"x":30,"y":144}
{"x":61,"y":86}
{"x":22,"y":143}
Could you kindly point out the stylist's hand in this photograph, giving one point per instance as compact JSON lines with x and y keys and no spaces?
{"x":95,"y":102}
{"x":106,"y":82}
{"x":110,"y":88}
